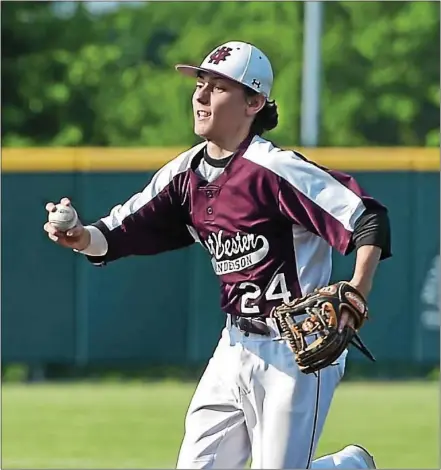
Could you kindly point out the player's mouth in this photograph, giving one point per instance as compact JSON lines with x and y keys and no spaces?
{"x":203,"y":115}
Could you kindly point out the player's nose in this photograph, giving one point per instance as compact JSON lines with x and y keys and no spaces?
{"x":202,"y":96}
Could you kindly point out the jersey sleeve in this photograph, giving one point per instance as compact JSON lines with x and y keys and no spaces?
{"x":373,"y":228}
{"x":150,"y":222}
{"x":327,"y":203}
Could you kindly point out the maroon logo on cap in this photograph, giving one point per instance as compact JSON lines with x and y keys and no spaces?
{"x":256,"y":83}
{"x":221,"y":54}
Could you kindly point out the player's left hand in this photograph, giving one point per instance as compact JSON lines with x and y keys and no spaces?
{"x":346,"y":318}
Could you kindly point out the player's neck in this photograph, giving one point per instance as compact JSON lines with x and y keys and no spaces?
{"x":218,"y":148}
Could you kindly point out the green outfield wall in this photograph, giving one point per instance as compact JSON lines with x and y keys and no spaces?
{"x":57,"y":308}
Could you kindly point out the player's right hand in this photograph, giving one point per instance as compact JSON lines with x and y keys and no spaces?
{"x":76,"y":238}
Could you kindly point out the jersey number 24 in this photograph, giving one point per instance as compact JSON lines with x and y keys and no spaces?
{"x":276,"y":290}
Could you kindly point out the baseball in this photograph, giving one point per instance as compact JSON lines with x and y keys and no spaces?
{"x":64,"y":218}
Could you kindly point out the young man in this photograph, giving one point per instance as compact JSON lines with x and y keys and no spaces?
{"x":269,"y":220}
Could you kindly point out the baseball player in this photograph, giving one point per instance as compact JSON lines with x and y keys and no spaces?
{"x":269,"y":219}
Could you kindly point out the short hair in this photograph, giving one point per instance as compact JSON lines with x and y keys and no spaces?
{"x":267,"y":118}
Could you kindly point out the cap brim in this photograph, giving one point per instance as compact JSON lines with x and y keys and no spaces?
{"x":189,"y":70}
{"x":193,"y":71}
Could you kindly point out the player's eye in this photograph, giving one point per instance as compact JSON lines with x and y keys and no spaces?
{"x":219,"y":88}
{"x":199,"y":86}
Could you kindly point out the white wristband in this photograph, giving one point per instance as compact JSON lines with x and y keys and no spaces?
{"x":98,"y":244}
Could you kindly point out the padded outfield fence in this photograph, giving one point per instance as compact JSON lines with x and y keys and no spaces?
{"x":163,"y":310}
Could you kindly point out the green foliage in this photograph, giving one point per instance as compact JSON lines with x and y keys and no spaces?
{"x":381,"y":63}
{"x":109,"y":79}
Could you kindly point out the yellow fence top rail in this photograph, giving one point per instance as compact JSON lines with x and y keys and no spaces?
{"x":96,"y":159}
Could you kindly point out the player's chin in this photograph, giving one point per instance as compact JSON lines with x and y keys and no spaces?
{"x":202,"y":129}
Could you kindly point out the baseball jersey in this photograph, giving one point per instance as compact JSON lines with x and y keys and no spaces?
{"x":268,"y":220}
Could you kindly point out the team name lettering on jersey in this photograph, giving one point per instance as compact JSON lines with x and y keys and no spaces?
{"x":231,"y":254}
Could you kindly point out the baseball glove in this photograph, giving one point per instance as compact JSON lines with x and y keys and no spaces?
{"x":314,"y":337}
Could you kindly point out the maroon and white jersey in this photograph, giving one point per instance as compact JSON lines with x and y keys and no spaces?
{"x":269,"y":221}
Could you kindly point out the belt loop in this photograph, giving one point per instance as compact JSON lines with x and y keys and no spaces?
{"x":275,"y":332}
{"x":229,"y":322}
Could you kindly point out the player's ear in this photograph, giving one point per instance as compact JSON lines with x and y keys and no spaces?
{"x":255,"y":103}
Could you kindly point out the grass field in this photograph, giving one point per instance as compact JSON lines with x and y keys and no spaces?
{"x":140,"y":425}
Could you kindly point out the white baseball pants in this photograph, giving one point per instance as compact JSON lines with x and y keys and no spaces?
{"x":252,"y":401}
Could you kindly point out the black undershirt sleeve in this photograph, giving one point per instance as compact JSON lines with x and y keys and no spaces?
{"x":373,"y":228}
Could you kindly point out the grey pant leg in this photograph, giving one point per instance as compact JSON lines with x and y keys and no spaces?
{"x":285,"y":409}
{"x":215,"y":432}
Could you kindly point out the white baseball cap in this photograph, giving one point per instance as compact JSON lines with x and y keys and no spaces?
{"x":238,"y":61}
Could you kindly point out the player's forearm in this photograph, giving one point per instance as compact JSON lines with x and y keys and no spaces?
{"x":366,"y":263}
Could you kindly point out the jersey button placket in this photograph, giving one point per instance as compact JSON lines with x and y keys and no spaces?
{"x":209,"y":211}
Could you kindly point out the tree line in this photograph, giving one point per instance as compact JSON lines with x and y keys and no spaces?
{"x":109,"y":79}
